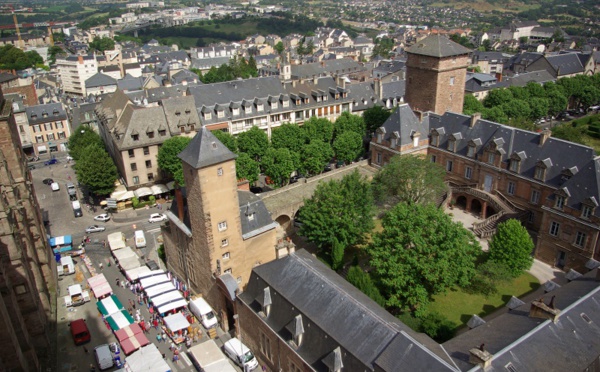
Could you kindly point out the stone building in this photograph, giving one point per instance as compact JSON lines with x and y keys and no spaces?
{"x":27,"y":267}
{"x":436,"y":71}
{"x":216,"y":233}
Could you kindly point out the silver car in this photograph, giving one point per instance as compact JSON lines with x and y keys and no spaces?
{"x":94,"y":228}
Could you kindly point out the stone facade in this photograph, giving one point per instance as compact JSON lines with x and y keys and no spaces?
{"x":436,"y":84}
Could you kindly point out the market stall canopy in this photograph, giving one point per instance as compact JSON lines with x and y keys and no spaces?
{"x":124,"y":253}
{"x":119,"y":320}
{"x":143,"y":191}
{"x":109,"y":305}
{"x":131,"y":338}
{"x":99,"y":285}
{"x":125,"y":196}
{"x":130,"y":263}
{"x":148,"y":282}
{"x":176,"y":322}
{"x":146,"y":359}
{"x":159,"y":289}
{"x":171,"y":305}
{"x":129,"y":331}
{"x":167,"y":297}
{"x":159,"y":189}
{"x":116,"y":241}
{"x":133,"y":274}
{"x":60,"y":240}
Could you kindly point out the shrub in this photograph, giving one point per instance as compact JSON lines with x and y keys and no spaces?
{"x":161,"y":253}
{"x":437,"y":326}
{"x":152,"y":199}
{"x":363,"y":281}
{"x":135,"y":202}
{"x":487,"y":278}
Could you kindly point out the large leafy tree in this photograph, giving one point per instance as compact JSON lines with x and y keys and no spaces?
{"x":96,"y":170}
{"x":102,"y":44}
{"x":349,"y":123}
{"x":411,"y":179}
{"x":227,"y":139}
{"x":254,"y":142}
{"x":348,"y":146}
{"x":472,"y":105}
{"x":319,"y":129}
{"x":13,"y":58}
{"x":419,"y":253}
{"x":315,"y":156}
{"x":168,"y":160}
{"x":512,"y":246}
{"x":278,"y":164}
{"x":339,"y":209}
{"x":289,"y":136}
{"x":375,"y":117}
{"x":497,"y":97}
{"x":246,"y":168}
{"x":363,"y":281}
{"x":80,"y":139}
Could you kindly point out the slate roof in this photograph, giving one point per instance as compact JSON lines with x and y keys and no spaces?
{"x":336,"y":314}
{"x":439,"y":46}
{"x":335,"y":66}
{"x":394,"y":89}
{"x":5,"y":76}
{"x":532,"y":344}
{"x":205,"y":150}
{"x":520,"y":80}
{"x":254,"y":216}
{"x":402,"y":123}
{"x":180,"y":111}
{"x":98,"y":80}
{"x":137,"y":120}
{"x":566,"y":64}
{"x":360,"y":94}
{"x":130,"y":83}
{"x":52,"y":112}
{"x":205,"y":63}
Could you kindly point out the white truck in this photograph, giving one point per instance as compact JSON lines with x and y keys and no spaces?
{"x":77,"y":296}
{"x":207,"y":357}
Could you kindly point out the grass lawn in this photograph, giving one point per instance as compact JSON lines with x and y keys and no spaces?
{"x":459,"y":306}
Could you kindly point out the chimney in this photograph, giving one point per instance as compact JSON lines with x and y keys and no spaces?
{"x":179,"y":198}
{"x":542,"y":311}
{"x":476,"y":116}
{"x":378,"y":88}
{"x":479,"y":356}
{"x":419,"y":115}
{"x":267,"y":302}
{"x":544,"y":135}
{"x":80,"y":59}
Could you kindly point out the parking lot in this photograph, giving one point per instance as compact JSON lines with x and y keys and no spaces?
{"x":61,"y":221}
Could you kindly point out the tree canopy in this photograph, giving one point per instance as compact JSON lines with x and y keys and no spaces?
{"x":375,"y":116}
{"x":102,"y":44}
{"x":96,"y":170}
{"x":168,"y":160}
{"x":348,"y":146}
{"x":246,"y":168}
{"x":419,"y":253}
{"x":512,"y":246}
{"x":80,"y":139}
{"x":289,"y":136}
{"x":13,"y":58}
{"x":319,"y":129}
{"x":315,"y":156}
{"x":227,"y":139}
{"x":278,"y":164}
{"x":349,"y":123}
{"x":237,"y":68}
{"x":254,"y":142}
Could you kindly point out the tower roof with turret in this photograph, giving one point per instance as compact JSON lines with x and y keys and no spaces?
{"x":437,"y":46}
{"x":205,"y":150}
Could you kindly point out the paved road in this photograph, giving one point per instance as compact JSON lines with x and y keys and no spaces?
{"x":63,"y":222}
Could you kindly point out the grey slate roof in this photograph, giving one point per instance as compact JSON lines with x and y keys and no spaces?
{"x":99,"y":79}
{"x":403,"y":123}
{"x":566,"y":64}
{"x":437,"y":46}
{"x":361,"y":94}
{"x":520,"y":80}
{"x":205,"y":150}
{"x":336,"y":66}
{"x":336,"y":314}
{"x":45,"y":113}
{"x":532,"y":344}
{"x":130,"y":83}
{"x":5,"y":76}
{"x":254,"y":216}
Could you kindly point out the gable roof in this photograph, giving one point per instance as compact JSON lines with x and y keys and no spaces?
{"x":404,"y":123}
{"x":436,"y":45}
{"x":99,"y":79}
{"x":566,"y":64}
{"x":254,"y":216}
{"x":205,"y":150}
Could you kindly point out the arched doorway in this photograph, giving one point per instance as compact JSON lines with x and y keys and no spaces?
{"x":461,"y":202}
{"x":284,"y":221}
{"x":489,"y":211}
{"x":476,"y":207}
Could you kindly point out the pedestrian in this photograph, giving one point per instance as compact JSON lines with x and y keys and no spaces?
{"x":92,"y":368}
{"x":164,"y":356}
{"x":85,"y":349}
{"x":130,"y":302}
{"x":133,"y":305}
{"x":155,"y":323}
{"x":100,"y":264}
{"x":118,"y":282}
{"x":146,"y":299}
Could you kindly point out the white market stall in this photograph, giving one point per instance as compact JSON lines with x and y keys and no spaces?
{"x":146,"y":359}
{"x":124,"y":253}
{"x":99,"y":286}
{"x":175,"y":325}
{"x":159,"y":289}
{"x":133,"y":274}
{"x":150,"y":281}
{"x":116,"y":241}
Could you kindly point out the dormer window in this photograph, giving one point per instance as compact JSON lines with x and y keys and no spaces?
{"x":177,"y":113}
{"x":220,"y":113}
{"x":151,"y":134}
{"x":515,"y":165}
{"x":162,"y":132}
{"x":435,"y":139}
{"x":236,"y":111}
{"x":135,"y":137}
{"x":491,"y":158}
{"x":471,"y":151}
{"x":588,"y":207}
{"x":586,"y":211}
{"x":560,"y":202}
{"x":207,"y":116}
{"x":273,"y":105}
{"x":540,"y":173}
{"x":260,"y":107}
{"x":248,"y":110}
{"x":286,"y":103}
{"x":451,"y":145}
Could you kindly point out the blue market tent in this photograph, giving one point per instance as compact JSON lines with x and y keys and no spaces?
{"x":61,"y":244}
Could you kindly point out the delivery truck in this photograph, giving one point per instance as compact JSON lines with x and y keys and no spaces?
{"x":77,"y":296}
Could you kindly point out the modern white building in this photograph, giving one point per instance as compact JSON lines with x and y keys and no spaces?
{"x":74,"y":71}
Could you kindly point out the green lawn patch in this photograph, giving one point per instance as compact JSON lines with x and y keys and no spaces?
{"x":459,"y":306}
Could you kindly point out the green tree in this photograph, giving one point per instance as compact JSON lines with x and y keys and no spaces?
{"x":96,"y":170}
{"x":516,"y":109}
{"x":289,"y":136}
{"x":319,"y":129}
{"x":539,"y":107}
{"x":374,"y":118}
{"x":337,"y":255}
{"x":340,"y":209}
{"x":315,"y":156}
{"x":348,"y":146}
{"x":497,"y":97}
{"x":13,"y":58}
{"x":348,"y":122}
{"x":438,"y":327}
{"x":421,"y":252}
{"x":383,"y":47}
{"x":495,"y":114}
{"x":512,"y":246}
{"x":557,"y":102}
{"x":53,"y":51}
{"x":569,"y":132}
{"x":489,"y":275}
{"x":278,"y":164}
{"x":102,"y":44}
{"x":363,"y":281}
{"x":168,"y":160}
{"x":411,"y":179}
{"x":254,"y":142}
{"x":227,"y":139}
{"x":279,"y":48}
{"x":472,"y":105}
{"x":246,"y":168}
{"x":80,"y":139}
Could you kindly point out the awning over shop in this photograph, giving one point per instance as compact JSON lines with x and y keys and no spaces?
{"x":143,"y":191}
{"x":99,"y":285}
{"x":133,"y":274}
{"x":60,"y":240}
{"x":119,"y":320}
{"x":159,"y":189}
{"x":147,"y":358}
{"x":176,"y":322}
{"x":171,"y":305}
{"x":125,"y":196}
{"x":109,"y":305}
{"x":148,"y":282}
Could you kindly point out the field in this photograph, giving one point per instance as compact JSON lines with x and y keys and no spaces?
{"x":487,"y":6}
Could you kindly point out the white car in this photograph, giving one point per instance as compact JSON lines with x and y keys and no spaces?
{"x":94,"y":228}
{"x":157,"y":217}
{"x":55,"y":186}
{"x":102,"y":217}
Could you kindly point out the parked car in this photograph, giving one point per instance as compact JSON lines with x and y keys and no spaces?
{"x":48,"y":181}
{"x":157,"y":217}
{"x":102,"y":217}
{"x":51,"y":161}
{"x":55,"y":186}
{"x":94,"y":228}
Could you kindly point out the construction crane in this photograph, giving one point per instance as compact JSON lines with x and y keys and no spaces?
{"x":50,"y":36}
{"x":21,"y":44}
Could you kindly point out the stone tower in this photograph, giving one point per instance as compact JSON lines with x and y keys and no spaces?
{"x":436,"y":69}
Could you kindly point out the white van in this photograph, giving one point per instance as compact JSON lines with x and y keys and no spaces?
{"x":66,"y":266}
{"x":240,"y":354}
{"x":104,"y":357}
{"x":77,"y":208}
{"x":55,"y":186}
{"x":205,"y":314}
{"x":140,"y":239}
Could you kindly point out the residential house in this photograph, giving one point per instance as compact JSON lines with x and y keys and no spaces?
{"x":74,"y":71}
{"x":48,"y":128}
{"x":100,"y":84}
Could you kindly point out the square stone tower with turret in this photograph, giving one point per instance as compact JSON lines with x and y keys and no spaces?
{"x":436,"y":69}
